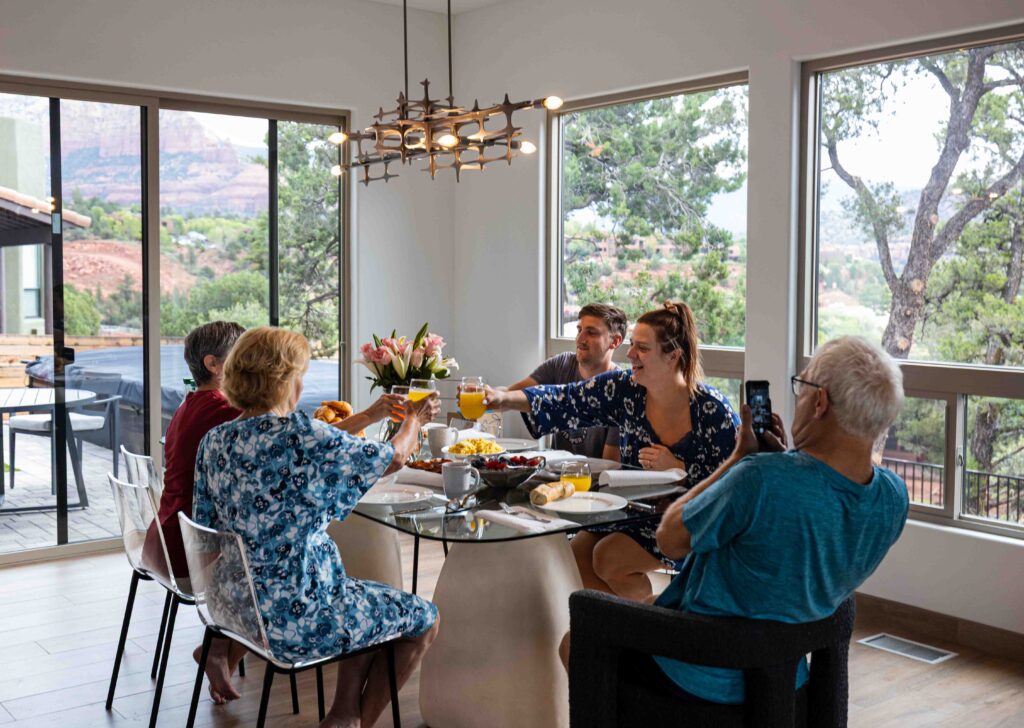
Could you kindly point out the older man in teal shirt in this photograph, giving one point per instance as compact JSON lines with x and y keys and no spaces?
{"x":788,"y":536}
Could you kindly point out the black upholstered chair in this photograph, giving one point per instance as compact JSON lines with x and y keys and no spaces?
{"x":608,"y":632}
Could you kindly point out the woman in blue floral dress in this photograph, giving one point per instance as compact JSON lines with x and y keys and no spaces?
{"x":277,"y":478}
{"x":667,"y":418}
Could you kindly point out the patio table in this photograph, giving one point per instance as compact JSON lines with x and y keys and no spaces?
{"x":35,"y":400}
{"x":503,"y":600}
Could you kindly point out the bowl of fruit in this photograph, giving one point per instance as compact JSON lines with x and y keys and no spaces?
{"x":506,"y":471}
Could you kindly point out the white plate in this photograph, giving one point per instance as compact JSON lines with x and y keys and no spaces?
{"x":587,"y":502}
{"x":395,"y":494}
{"x":445,"y":450}
{"x":516,"y":444}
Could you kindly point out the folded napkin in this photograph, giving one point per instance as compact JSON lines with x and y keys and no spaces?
{"x":411,"y":476}
{"x":641,"y":477}
{"x":525,"y":524}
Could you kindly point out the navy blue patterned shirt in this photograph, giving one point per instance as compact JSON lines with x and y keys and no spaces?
{"x":614,"y":399}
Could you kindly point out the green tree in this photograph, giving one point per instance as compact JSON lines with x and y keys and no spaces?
{"x":81,"y":317}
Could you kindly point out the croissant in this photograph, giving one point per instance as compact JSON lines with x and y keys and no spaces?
{"x":544,"y":494}
{"x":333,"y":412}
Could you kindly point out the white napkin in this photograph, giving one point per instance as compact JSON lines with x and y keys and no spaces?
{"x":525,"y":524}
{"x":553,"y":457}
{"x":411,"y":476}
{"x":641,"y":477}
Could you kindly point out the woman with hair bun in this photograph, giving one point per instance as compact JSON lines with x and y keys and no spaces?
{"x":667,"y":418}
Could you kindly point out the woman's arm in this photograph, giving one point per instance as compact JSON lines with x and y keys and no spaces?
{"x":406,"y":441}
{"x":385,"y":406}
{"x":556,"y":407}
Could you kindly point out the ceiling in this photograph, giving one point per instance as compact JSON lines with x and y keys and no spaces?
{"x":441,"y":6}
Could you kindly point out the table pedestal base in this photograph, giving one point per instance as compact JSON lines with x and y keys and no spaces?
{"x":368,"y":549}
{"x":504,"y":609}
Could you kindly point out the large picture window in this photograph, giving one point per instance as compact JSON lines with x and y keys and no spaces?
{"x":916,"y":235}
{"x":649,"y":196}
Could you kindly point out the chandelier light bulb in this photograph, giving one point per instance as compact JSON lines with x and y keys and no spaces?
{"x":448,"y":140}
{"x":338,"y":137}
{"x":336,"y":170}
{"x":527,"y":147}
{"x":553,"y":103}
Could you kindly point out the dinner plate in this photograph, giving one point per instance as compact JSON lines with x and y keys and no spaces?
{"x":396,"y":494}
{"x":587,"y":502}
{"x":516,"y":444}
{"x":458,"y":456}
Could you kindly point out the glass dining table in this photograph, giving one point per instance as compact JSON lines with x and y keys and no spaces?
{"x":502,"y":595}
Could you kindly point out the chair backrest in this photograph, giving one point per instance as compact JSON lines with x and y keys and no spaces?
{"x":141,"y":470}
{"x":136,"y":513}
{"x":222,"y":583}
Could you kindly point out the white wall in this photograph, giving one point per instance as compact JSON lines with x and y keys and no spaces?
{"x":337,"y":53}
{"x":580,"y":48}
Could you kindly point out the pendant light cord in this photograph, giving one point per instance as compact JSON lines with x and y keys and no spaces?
{"x":451,"y":95}
{"x":405,"y":40}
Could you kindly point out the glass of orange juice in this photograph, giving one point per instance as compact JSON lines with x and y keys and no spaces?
{"x":471,"y":398}
{"x":421,"y":389}
{"x":577,"y":472}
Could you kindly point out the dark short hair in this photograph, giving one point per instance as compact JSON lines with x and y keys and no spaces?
{"x":614,"y":318}
{"x":212,"y":339}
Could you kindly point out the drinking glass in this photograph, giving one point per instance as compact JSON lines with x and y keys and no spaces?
{"x":403,"y":391}
{"x":421,"y":389}
{"x":471,"y":398}
{"x":577,"y":472}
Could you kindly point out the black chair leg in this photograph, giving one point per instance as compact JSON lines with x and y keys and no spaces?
{"x":207,"y":640}
{"x":160,"y":636}
{"x":241,"y":667}
{"x":10,"y":440}
{"x":268,"y":679}
{"x":396,"y":717}
{"x":415,"y":561}
{"x":168,"y":633}
{"x":295,"y":693}
{"x":124,"y":637}
{"x":320,"y":693}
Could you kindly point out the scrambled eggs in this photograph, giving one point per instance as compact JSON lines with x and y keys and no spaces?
{"x":476,"y":446}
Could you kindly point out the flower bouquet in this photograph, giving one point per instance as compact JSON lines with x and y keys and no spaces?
{"x":397,"y":360}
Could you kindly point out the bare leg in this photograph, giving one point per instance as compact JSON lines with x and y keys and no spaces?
{"x":408,"y":654}
{"x":563,"y":651}
{"x":224,"y":657}
{"x":623,"y":564}
{"x":583,"y":545}
{"x":344,"y":713}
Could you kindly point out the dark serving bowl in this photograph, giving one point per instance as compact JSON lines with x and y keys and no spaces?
{"x":509,"y":477}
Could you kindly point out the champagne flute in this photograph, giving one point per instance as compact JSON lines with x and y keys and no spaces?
{"x":471,"y":398}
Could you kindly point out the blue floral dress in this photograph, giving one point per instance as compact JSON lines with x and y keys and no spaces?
{"x":614,"y":399}
{"x":277,"y":482}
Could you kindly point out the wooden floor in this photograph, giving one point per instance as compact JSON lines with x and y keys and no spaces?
{"x":59,"y":624}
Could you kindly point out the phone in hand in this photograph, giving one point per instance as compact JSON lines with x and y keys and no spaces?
{"x":760,"y":406}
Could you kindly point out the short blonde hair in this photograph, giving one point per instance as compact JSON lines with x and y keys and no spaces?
{"x":262,"y":366}
{"x":865,"y":385}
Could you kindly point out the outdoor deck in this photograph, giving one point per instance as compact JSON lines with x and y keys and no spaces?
{"x":21,"y":531}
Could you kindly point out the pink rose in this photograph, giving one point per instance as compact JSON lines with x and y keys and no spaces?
{"x":433,"y":344}
{"x":367,"y":351}
{"x":381,"y":356}
{"x":417,"y":359}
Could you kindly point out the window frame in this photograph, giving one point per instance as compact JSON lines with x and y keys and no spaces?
{"x":718,"y":361}
{"x":951,"y":382}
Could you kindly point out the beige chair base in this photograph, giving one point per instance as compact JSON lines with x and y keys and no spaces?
{"x":368,"y":550}
{"x":504,"y":609}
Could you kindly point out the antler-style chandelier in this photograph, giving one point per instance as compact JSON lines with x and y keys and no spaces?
{"x":446,"y":136}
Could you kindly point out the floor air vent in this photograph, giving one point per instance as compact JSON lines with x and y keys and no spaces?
{"x":908,"y":648}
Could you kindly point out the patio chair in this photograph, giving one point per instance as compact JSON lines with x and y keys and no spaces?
{"x":97,"y":422}
{"x":226,"y":598}
{"x":608,"y":632}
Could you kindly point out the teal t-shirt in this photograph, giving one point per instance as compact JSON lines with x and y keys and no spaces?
{"x":781,"y":536}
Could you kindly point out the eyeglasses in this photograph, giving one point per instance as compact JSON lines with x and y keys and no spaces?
{"x":798,"y":384}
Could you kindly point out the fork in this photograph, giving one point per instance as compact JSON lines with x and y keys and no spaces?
{"x":525,"y":513}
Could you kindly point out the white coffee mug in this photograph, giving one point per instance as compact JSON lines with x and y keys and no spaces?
{"x":441,"y":437}
{"x":460,"y":479}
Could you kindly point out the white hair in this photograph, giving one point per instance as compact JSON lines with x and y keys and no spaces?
{"x":865,"y":385}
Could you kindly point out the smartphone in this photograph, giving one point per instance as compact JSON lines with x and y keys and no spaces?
{"x":760,"y":406}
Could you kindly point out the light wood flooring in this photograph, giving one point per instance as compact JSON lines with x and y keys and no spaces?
{"x":59,"y":624}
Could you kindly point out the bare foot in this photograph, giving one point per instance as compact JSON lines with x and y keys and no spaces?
{"x":218,"y":671}
{"x":331,"y":722}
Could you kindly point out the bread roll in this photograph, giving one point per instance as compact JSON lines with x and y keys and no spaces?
{"x":333,"y":411}
{"x":544,"y":494}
